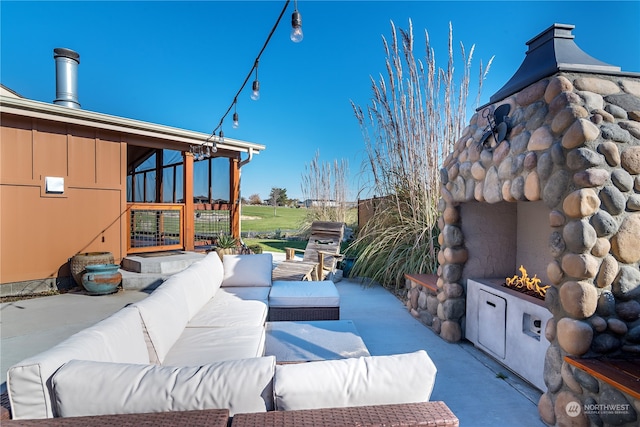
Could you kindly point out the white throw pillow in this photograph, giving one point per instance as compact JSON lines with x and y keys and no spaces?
{"x":247,"y":270}
{"x":376,"y":380}
{"x":85,"y":388}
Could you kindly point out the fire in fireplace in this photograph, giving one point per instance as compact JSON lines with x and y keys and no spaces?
{"x":527,"y":285}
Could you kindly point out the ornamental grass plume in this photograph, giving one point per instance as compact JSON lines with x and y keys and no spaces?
{"x":416,"y":114}
{"x":326,"y":185}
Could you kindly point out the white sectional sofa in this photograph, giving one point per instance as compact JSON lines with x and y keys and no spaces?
{"x":197,"y":342}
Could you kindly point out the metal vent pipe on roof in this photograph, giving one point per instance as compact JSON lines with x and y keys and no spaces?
{"x":67,"y":62}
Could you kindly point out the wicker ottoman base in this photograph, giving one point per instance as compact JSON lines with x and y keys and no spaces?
{"x":303,"y":313}
{"x":432,"y":414}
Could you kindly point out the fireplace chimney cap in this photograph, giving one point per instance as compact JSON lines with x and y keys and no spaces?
{"x":549,"y":52}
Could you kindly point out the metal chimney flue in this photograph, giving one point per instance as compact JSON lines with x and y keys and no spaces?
{"x":67,"y":62}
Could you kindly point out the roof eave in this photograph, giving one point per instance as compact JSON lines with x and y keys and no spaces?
{"x":36,"y":109}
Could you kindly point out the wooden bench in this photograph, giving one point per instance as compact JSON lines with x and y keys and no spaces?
{"x":429,"y":281}
{"x":295,"y":271}
{"x":623,"y":374}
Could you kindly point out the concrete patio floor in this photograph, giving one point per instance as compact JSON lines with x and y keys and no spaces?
{"x":468,"y":381}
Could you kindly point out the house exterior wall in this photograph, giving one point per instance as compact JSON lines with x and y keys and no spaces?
{"x":41,"y":231}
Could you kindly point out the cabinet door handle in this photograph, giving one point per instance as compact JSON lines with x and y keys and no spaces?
{"x":491,"y":304}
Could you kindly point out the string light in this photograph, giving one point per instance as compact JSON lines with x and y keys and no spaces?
{"x":255,"y":94}
{"x":296,"y":22}
{"x":236,"y":123}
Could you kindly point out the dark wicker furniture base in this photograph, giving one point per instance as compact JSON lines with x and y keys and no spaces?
{"x":432,"y":414}
{"x":208,"y":418}
{"x":303,"y":313}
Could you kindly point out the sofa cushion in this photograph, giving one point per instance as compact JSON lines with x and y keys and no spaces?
{"x":200,"y":346}
{"x":258,"y":293}
{"x":188,"y":286}
{"x":304,"y":294}
{"x":165,"y":315}
{"x":377,"y":380}
{"x":209,"y":272}
{"x":247,"y":270}
{"x":225,"y":310}
{"x":115,"y":388}
{"x":118,"y":338}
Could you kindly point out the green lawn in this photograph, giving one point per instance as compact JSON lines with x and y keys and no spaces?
{"x":262,"y":218}
{"x":272,"y":245}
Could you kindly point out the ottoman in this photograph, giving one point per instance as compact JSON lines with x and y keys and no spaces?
{"x":292,"y":300}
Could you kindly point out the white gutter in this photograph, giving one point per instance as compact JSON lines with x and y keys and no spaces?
{"x":247,"y":160}
{"x":41,"y":110}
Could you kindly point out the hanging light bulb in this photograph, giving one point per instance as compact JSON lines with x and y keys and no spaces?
{"x":296,"y":24}
{"x":236,"y":123}
{"x":221,"y":135}
{"x":255,"y":94}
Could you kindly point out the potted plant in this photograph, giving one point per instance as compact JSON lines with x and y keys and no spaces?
{"x":226,"y":244}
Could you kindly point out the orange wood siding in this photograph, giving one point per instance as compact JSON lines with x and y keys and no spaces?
{"x":40,"y":234}
{"x":18,"y":166}
{"x":50,"y":153}
{"x":39,"y":231}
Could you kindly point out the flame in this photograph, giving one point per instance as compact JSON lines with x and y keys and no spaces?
{"x":526,"y":282}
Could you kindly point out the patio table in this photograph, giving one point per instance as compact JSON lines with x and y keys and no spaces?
{"x":305,"y":341}
{"x":208,"y":418}
{"x":433,"y":414}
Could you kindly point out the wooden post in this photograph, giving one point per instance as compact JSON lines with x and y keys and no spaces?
{"x":234,"y":194}
{"x":189,"y":209}
{"x":210,"y":181}
{"x":158,"y":197}
{"x":159,"y":176}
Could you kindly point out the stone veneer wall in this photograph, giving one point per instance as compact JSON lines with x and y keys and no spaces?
{"x":574,"y":144}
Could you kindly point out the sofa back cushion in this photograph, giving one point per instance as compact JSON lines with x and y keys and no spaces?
{"x":247,"y":270}
{"x":200,"y":281}
{"x":376,"y":380}
{"x":118,"y":338}
{"x":240,"y":385}
{"x":210,"y":268}
{"x":164,"y":314}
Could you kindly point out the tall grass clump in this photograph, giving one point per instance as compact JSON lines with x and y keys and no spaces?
{"x":416,"y":114}
{"x":326,"y":185}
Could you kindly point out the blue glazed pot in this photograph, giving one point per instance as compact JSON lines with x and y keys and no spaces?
{"x":347,"y":265}
{"x":101,"y":279}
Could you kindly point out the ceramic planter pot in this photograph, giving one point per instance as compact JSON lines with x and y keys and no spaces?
{"x":101,"y":279}
{"x":81,"y":260}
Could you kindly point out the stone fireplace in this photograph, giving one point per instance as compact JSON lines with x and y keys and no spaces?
{"x":559,"y":193}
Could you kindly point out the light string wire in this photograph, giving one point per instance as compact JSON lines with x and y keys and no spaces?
{"x":254,"y":67}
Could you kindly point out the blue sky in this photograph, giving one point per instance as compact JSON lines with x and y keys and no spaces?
{"x":181,"y":63}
